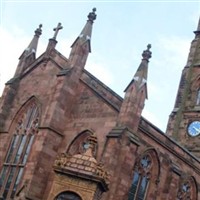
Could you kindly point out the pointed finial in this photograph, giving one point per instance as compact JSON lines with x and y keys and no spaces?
{"x":56,"y":30}
{"x":38,"y":31}
{"x":92,"y":15}
{"x":147,"y":53}
{"x":197,"y":32}
{"x":198,"y":27}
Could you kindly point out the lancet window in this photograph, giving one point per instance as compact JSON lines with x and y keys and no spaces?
{"x":187,"y":190}
{"x":184,"y":192}
{"x":198,"y":97}
{"x":18,"y":151}
{"x":141,"y":178}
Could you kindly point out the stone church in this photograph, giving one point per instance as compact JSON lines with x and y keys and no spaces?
{"x":64,"y":135}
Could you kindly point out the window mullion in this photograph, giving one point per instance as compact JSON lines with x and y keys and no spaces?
{"x":16,"y":182}
{"x":7,"y":174}
{"x":17,"y":153}
{"x":12,"y":148}
{"x":21,"y":148}
{"x":28,"y":138}
{"x":8,"y":179}
{"x":138,"y":187}
{"x":13,"y":180}
{"x":16,"y":149}
{"x":147,"y":186}
{"x":27,"y":149}
{"x":4,"y":176}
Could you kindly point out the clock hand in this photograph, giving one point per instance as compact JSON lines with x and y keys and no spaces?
{"x":197,"y":129}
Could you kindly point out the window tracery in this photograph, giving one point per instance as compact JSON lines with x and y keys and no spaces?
{"x":184,"y":191}
{"x":81,"y":143}
{"x":141,"y":178}
{"x":187,"y":189}
{"x":18,"y":151}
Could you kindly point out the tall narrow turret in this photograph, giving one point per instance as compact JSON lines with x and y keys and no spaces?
{"x":29,"y":54}
{"x":82,"y":45}
{"x":136,"y":93}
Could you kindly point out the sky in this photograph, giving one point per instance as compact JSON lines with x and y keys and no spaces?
{"x":121,"y":32}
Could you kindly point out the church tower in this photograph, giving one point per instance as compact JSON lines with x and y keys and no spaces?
{"x":184,"y":121}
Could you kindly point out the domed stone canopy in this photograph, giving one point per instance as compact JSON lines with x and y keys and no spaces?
{"x":83,"y":165}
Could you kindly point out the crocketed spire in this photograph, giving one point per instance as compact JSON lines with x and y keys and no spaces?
{"x":86,"y":33}
{"x":135,"y":95}
{"x":29,"y":54}
{"x":32,"y":47}
{"x":140,"y":76}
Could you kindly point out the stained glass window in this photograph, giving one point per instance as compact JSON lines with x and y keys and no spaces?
{"x":18,"y":151}
{"x":140,"y":179}
{"x":184,"y":191}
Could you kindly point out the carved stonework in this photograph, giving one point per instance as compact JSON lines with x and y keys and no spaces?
{"x":23,"y":126}
{"x":80,"y":173}
{"x":80,"y":143}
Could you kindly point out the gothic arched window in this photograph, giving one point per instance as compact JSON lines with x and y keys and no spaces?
{"x":68,"y":196}
{"x":187,"y":190}
{"x":80,"y":143}
{"x":198,"y":97}
{"x":17,"y":154}
{"x":141,"y":179}
{"x":184,"y":192}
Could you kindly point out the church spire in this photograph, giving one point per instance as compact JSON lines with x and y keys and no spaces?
{"x":187,"y":94}
{"x":135,"y":94}
{"x":28,"y":56}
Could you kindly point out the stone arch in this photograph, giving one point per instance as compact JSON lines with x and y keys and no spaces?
{"x":68,"y":195}
{"x":147,"y":169}
{"x":194,"y":188}
{"x":23,"y":108}
{"x":187,"y":188}
{"x":156,"y":161}
{"x":79,"y":143}
{"x":22,"y":132}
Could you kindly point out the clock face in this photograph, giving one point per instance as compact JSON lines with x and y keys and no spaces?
{"x":194,"y":128}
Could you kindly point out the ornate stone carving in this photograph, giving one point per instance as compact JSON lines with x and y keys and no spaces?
{"x":80,"y":173}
